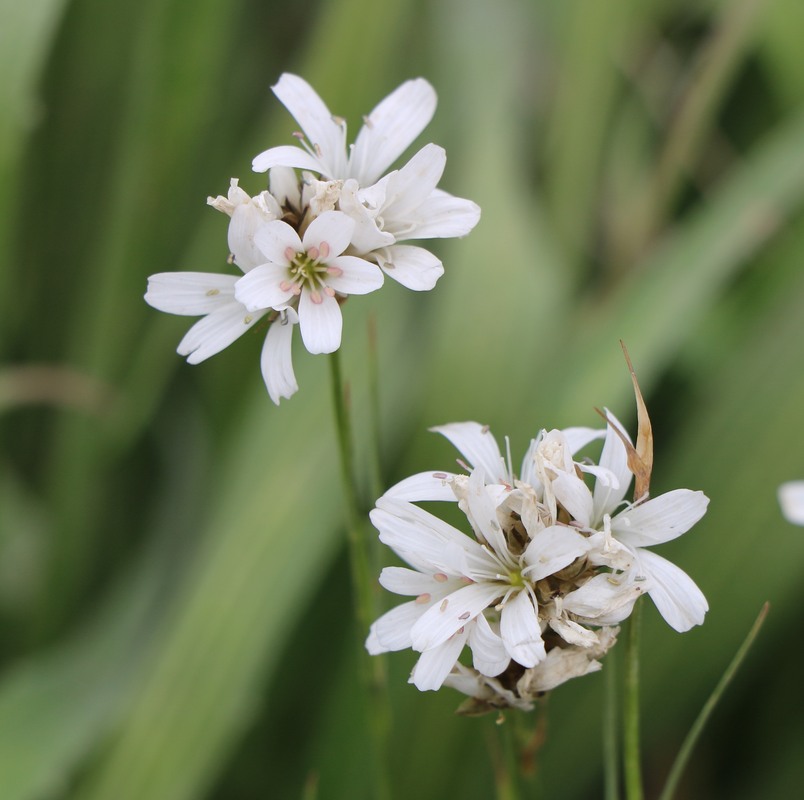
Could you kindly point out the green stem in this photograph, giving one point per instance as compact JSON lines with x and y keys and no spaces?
{"x":372,"y":669}
{"x":631,"y":755}
{"x":611,"y":754}
{"x":697,"y":727}
{"x":506,"y":767}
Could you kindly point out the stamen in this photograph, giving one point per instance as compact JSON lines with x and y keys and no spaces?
{"x":441,"y":577}
{"x":329,"y":291}
{"x":213,"y":292}
{"x":338,"y":120}
{"x":465,"y":615}
{"x":335,"y":271}
{"x":324,"y":249}
{"x":316,"y":298}
{"x":298,"y":135}
{"x":422,"y":598}
{"x":247,"y":319}
{"x":441,"y":476}
{"x":312,"y":252}
{"x":285,"y":286}
{"x":230,"y":258}
{"x":444,"y":604}
{"x":290,"y":253}
{"x":485,"y":429}
{"x":296,"y":289}
{"x":367,"y":122}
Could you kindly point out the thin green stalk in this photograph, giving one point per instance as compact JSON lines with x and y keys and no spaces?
{"x":506,"y":766}
{"x":372,"y":669}
{"x":611,"y":751}
{"x":375,"y":451}
{"x":695,"y":731}
{"x":631,"y":755}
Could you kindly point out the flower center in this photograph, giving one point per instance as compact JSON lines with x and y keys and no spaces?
{"x":306,"y":269}
{"x":516,"y":579}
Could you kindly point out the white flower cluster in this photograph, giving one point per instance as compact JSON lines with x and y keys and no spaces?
{"x":315,"y":236}
{"x":557,"y":558}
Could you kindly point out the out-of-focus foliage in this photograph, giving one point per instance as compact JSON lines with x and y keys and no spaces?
{"x":174,"y":607}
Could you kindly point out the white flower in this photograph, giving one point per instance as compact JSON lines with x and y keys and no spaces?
{"x":403,"y":205}
{"x":309,"y":271}
{"x":388,"y":131}
{"x":457,"y":578}
{"x":791,"y":500}
{"x":618,"y":540}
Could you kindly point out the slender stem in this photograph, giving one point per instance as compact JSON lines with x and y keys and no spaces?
{"x":377,"y":482}
{"x":697,"y":727}
{"x":611,"y":751}
{"x":632,"y":769}
{"x":506,"y":770}
{"x":372,"y":668}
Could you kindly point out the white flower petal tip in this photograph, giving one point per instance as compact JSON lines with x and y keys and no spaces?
{"x":791,"y":501}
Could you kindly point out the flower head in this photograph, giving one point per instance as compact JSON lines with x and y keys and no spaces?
{"x":791,"y":501}
{"x":555,"y":559}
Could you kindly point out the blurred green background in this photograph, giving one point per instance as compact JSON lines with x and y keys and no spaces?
{"x":175,"y":618}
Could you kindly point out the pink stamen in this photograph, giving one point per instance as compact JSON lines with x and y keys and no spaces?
{"x":296,"y":289}
{"x":329,"y":291}
{"x":312,"y":252}
{"x":316,"y":298}
{"x":290,"y":253}
{"x":423,"y":598}
{"x":335,"y":271}
{"x":441,"y":577}
{"x":286,"y":286}
{"x":324,"y":249}
{"x":444,"y":604}
{"x":465,"y":615}
{"x":441,"y":476}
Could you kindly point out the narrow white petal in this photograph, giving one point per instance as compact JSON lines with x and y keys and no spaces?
{"x":274,"y":238}
{"x":614,"y":457}
{"x":422,"y":487}
{"x":520,"y":631}
{"x":551,"y":550}
{"x":320,"y":323}
{"x":401,"y":580}
{"x":414,"y":267}
{"x":577,"y":438}
{"x":411,"y":185}
{"x":477,"y":446}
{"x":276,"y":362}
{"x":489,"y":655}
{"x":189,"y":293}
{"x":675,"y":594}
{"x":661,"y":519}
{"x":260,"y":287}
{"x":333,"y":227}
{"x":574,"y":495}
{"x":443,"y":619}
{"x":424,"y":540}
{"x":443,"y":216}
{"x":326,"y":134}
{"x":605,"y":598}
{"x":286,"y":155}
{"x":482,"y":512}
{"x":391,"y":632}
{"x":435,"y":664}
{"x":216,"y":331}
{"x":359,"y":276}
{"x":791,"y":500}
{"x":390,"y":128}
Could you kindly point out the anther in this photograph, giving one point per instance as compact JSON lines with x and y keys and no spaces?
{"x":247,"y":319}
{"x":324,"y":249}
{"x":444,"y":604}
{"x":368,"y":123}
{"x":335,"y":271}
{"x":441,"y":476}
{"x":213,"y":292}
{"x":423,"y":598}
{"x":290,"y":253}
{"x":285,"y":286}
{"x":312,"y":252}
{"x":316,"y":298}
{"x":465,"y":615}
{"x":329,"y":291}
{"x":230,"y":258}
{"x":441,"y":577}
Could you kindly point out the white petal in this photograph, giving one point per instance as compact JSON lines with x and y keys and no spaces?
{"x":324,"y":133}
{"x":216,"y":331}
{"x":359,"y":276}
{"x":286,"y":155}
{"x":274,"y":238}
{"x":333,"y":227}
{"x":422,"y":487}
{"x":435,"y":664}
{"x":363,"y":205}
{"x":391,"y":632}
{"x":276,"y":362}
{"x":189,"y":293}
{"x":661,"y":519}
{"x":675,"y":594}
{"x":410,"y":186}
{"x":424,"y":540}
{"x":482,"y":513}
{"x":577,"y":438}
{"x":320,"y":323}
{"x":477,"y":446}
{"x":283,"y":185}
{"x":390,"y":128}
{"x":791,"y":500}
{"x":260,"y":287}
{"x":414,"y":267}
{"x":401,"y":580}
{"x":442,"y":216}
{"x":574,"y":495}
{"x":443,"y":619}
{"x":489,"y":655}
{"x":246,"y":220}
{"x":551,"y":550}
{"x":520,"y":631}
{"x":604,"y":598}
